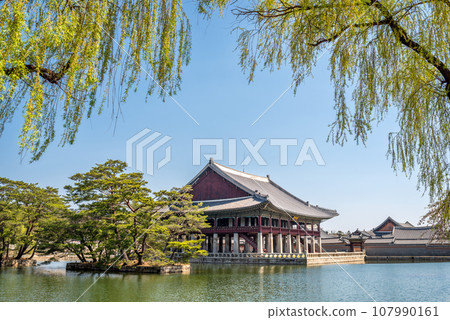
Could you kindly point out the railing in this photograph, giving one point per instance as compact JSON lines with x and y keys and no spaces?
{"x":336,"y":254}
{"x":265,"y":229}
{"x":258,"y":255}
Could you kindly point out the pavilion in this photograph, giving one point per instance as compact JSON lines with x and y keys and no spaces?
{"x":252,"y":214}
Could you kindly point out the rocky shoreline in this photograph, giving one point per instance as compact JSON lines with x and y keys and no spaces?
{"x":17,"y":263}
{"x":92,"y":267}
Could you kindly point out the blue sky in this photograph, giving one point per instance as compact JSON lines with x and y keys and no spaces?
{"x":358,"y":181}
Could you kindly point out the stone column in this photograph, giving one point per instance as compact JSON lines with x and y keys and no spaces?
{"x":280,"y":243}
{"x":227,"y":243}
{"x":270,"y":243}
{"x":246,"y":247}
{"x":220,"y":244}
{"x":289,"y":244}
{"x":299,"y":244}
{"x":313,"y":244}
{"x":236,"y":242}
{"x":305,"y":240}
{"x":260,"y":243}
{"x":319,"y":241}
{"x":215,"y":242}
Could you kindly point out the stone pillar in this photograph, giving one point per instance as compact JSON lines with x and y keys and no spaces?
{"x":246,"y":247}
{"x":313,"y":244}
{"x":220,"y":244}
{"x":299,"y":244}
{"x":305,"y":242}
{"x":227,"y":243}
{"x":280,"y":243}
{"x":319,"y":241}
{"x":214,"y":242}
{"x":236,"y":242}
{"x":289,"y":244}
{"x":260,"y":243}
{"x":270,"y":243}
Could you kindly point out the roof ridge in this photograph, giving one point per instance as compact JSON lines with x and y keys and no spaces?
{"x":297,"y":198}
{"x":284,"y":190}
{"x":240,"y":173}
{"x":225,"y":199}
{"x":413,"y":228}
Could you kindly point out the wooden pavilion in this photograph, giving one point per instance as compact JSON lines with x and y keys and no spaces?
{"x":252,"y":214}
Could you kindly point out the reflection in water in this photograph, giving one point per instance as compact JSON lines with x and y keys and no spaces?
{"x":385,"y":282}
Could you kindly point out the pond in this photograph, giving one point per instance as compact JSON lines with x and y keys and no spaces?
{"x":356,"y":282}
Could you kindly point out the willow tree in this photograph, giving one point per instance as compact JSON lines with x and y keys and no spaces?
{"x":68,"y":58}
{"x":393,"y":55}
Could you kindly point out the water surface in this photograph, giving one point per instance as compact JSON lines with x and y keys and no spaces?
{"x":384,"y":282}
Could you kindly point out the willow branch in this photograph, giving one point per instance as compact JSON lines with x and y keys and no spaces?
{"x":402,"y":36}
{"x":340,"y":32}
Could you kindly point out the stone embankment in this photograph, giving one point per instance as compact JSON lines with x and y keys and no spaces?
{"x":386,"y":259}
{"x":77,"y":266}
{"x":335,"y":258}
{"x":17,"y":263}
{"x":251,"y":258}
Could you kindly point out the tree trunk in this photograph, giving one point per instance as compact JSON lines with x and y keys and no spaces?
{"x":34,"y":251}
{"x":21,"y":251}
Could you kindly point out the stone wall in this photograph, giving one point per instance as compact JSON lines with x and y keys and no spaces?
{"x":76,"y":266}
{"x":282,"y":259}
{"x":17,"y":263}
{"x":335,"y":257}
{"x":386,"y":259}
{"x":251,"y":258}
{"x":407,"y":250}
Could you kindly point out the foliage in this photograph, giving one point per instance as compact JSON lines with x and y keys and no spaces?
{"x":118,"y":218}
{"x":25,"y":210}
{"x":58,"y":58}
{"x":393,"y":54}
{"x":115,"y":217}
{"x":439,"y":217}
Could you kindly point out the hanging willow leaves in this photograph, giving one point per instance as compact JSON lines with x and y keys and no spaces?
{"x":395,"y":55}
{"x":69,"y":58}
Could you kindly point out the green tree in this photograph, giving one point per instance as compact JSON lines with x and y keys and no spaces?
{"x":25,"y":209}
{"x":118,"y":217}
{"x":58,"y":57}
{"x":394,"y":55}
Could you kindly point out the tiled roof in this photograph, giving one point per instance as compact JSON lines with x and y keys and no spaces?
{"x":232,"y":204}
{"x":386,"y":220}
{"x":412,"y":233}
{"x":408,"y":236}
{"x":379,"y":240}
{"x":277,"y":197}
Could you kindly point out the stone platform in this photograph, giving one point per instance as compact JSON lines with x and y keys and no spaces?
{"x":282,"y":258}
{"x":252,"y":258}
{"x":77,"y":266}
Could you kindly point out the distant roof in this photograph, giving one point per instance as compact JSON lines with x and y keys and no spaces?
{"x":262,"y":189}
{"x":412,"y":233}
{"x":406,"y":224}
{"x":409,"y":236}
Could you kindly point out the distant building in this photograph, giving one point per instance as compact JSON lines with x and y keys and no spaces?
{"x":407,"y":241}
{"x":252,"y":214}
{"x":390,"y":238}
{"x":387,"y":226}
